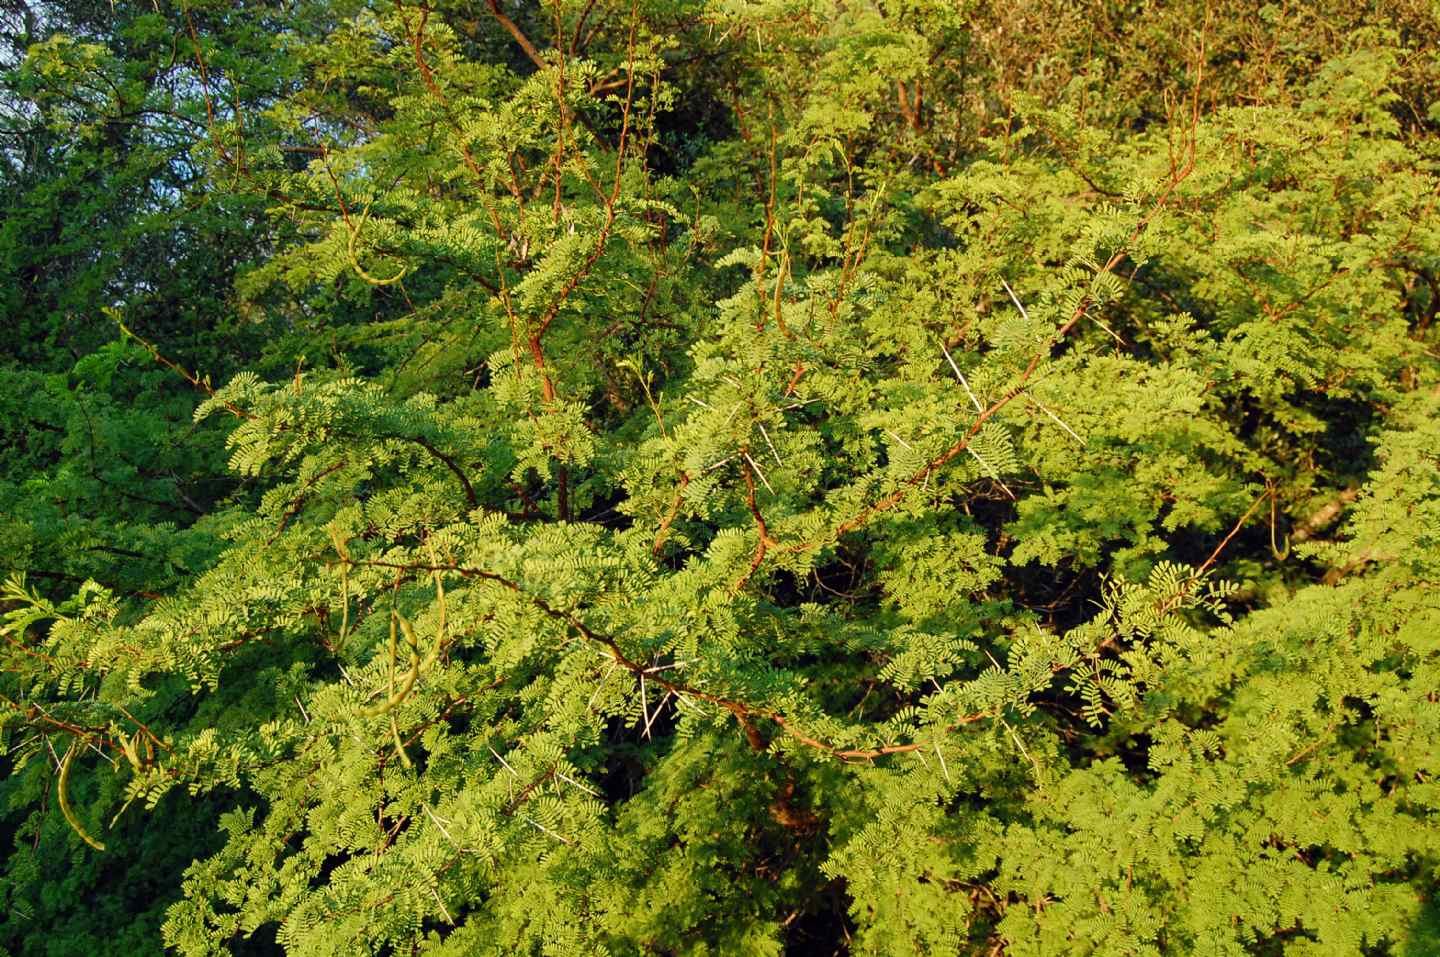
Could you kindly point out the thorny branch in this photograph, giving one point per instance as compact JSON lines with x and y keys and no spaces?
{"x":745,"y":713}
{"x":1181,"y":170}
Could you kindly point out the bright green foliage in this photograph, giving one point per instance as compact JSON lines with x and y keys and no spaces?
{"x":718,"y":478}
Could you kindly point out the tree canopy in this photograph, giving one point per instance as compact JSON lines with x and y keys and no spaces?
{"x":720,"y":477}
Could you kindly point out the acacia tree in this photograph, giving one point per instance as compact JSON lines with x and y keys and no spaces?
{"x":773,"y":477}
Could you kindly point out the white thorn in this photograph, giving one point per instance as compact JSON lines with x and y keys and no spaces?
{"x":942,"y":763}
{"x":569,"y":780}
{"x":994,"y":475}
{"x":1015,"y":299}
{"x":900,"y":440}
{"x":541,"y":827}
{"x":1102,"y":325}
{"x":436,"y":819}
{"x":961,"y":376}
{"x":443,"y":909}
{"x":600,"y":687}
{"x":656,"y":713}
{"x":644,"y":706}
{"x":758,"y":471}
{"x":1058,"y":421}
{"x":771,"y":444}
{"x":502,"y":761}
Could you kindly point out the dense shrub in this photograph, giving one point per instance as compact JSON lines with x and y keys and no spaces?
{"x":721,"y":477}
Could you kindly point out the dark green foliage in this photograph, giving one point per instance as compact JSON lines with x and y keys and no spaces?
{"x":707,"y":477}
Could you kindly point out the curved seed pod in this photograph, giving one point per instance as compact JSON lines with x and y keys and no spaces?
{"x":355,"y":260}
{"x":344,"y":554}
{"x":400,"y":694}
{"x":64,"y":800}
{"x":399,"y":744}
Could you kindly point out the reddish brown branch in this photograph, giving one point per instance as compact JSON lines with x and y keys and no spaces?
{"x":450,"y":464}
{"x":670,"y":515}
{"x":764,"y":541}
{"x":515,"y":32}
{"x":896,"y":497}
{"x":794,"y":380}
{"x":202,"y":384}
{"x":1181,"y":172}
{"x":298,"y":502}
{"x":745,"y":714}
{"x":1233,"y":532}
